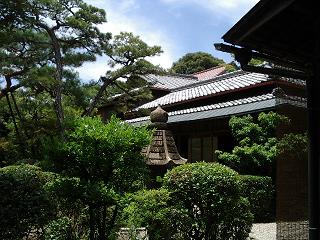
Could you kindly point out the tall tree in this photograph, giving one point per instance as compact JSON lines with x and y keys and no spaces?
{"x":127,"y":55}
{"x":195,"y":62}
{"x":18,"y":54}
{"x":72,"y":36}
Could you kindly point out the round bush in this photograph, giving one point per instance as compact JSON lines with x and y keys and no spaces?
{"x":24,"y":204}
{"x":260,"y":193}
{"x":208,"y":198}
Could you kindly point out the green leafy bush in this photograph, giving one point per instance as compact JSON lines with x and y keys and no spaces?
{"x":150,"y":209}
{"x":257,"y":143}
{"x":95,"y":149}
{"x":102,"y":161}
{"x":58,"y":229}
{"x":260,"y":193}
{"x":24,"y":204}
{"x":207,"y":197}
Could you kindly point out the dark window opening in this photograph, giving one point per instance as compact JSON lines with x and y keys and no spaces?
{"x":203,"y":148}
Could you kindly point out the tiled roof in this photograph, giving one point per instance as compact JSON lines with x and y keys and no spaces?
{"x":223,"y":83}
{"x":173,"y":81}
{"x":169,"y":82}
{"x":239,"y":106}
{"x":210,"y":73}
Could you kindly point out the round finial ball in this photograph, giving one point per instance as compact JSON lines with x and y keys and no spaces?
{"x":159,"y":115}
{"x":278,"y":92}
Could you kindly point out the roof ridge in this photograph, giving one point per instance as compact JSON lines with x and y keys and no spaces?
{"x":185,"y":76}
{"x":209,"y":69}
{"x":181,"y":75}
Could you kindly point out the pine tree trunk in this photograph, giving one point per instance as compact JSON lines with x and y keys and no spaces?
{"x":15,"y":124}
{"x":57,"y":91}
{"x":58,"y":109}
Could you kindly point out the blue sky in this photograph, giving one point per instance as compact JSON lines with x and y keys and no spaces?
{"x":178,"y":26}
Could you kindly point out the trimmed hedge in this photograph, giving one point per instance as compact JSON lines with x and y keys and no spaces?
{"x":260,"y":193}
{"x":209,"y":202}
{"x":24,"y":203}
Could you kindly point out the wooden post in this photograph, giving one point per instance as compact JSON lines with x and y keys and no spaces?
{"x":313,"y":96}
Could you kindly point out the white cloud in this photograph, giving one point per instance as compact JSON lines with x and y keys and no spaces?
{"x":229,"y":9}
{"x":119,"y":21}
{"x":128,"y":5}
{"x":93,"y":70}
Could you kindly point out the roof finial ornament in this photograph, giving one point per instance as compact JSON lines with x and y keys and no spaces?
{"x":159,"y":118}
{"x":278,"y":92}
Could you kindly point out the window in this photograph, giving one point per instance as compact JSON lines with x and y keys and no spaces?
{"x":202,"y":148}
{"x":196,"y":149}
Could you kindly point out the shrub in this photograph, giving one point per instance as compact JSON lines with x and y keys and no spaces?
{"x":150,"y":209}
{"x":260,"y":193}
{"x":24,"y":204}
{"x":256,"y":143}
{"x":100,"y":152}
{"x":101,"y":162}
{"x":58,"y":229}
{"x":208,"y":199}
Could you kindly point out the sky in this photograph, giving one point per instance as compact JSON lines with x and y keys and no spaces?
{"x":178,"y":26}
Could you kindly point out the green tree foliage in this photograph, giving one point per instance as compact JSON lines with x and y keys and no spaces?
{"x":70,"y":35}
{"x":256,"y":62}
{"x":36,"y":122}
{"x":19,"y":54}
{"x":257,"y":143}
{"x":25,"y":206}
{"x":58,"y":230}
{"x":96,"y":156}
{"x":196,"y":62}
{"x":151,"y":209}
{"x":127,"y":55}
{"x":208,"y":199}
{"x":293,"y":145}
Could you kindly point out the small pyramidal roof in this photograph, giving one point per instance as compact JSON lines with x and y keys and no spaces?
{"x":162,"y":150}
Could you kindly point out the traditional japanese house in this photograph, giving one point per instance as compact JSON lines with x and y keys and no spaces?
{"x":199,"y":111}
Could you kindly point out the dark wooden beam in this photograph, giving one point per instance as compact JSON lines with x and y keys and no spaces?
{"x":263,"y":12}
{"x":313,"y":98}
{"x":243,"y":56}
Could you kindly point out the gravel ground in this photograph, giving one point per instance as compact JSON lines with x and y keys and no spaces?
{"x":263,"y":231}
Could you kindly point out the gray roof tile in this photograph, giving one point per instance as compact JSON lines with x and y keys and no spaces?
{"x":239,"y":106}
{"x":169,"y":82}
{"x":221,"y":83}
